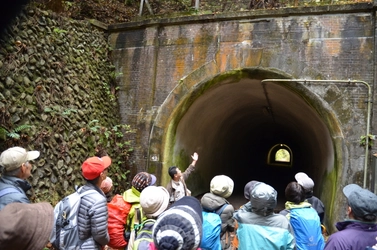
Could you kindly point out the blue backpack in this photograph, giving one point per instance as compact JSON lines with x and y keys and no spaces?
{"x":212,"y":229}
{"x":307,"y":228}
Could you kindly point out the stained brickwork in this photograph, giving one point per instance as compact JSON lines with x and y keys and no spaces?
{"x":313,"y":43}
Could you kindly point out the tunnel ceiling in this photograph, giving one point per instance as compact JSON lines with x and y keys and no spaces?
{"x":233,"y":125}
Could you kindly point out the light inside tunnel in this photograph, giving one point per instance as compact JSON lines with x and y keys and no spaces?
{"x":280,"y":155}
{"x":233,"y":131}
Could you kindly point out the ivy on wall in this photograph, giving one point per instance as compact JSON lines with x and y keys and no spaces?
{"x":58,"y":96}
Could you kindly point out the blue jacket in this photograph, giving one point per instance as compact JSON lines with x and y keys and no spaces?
{"x":263,"y":232}
{"x":20,"y":185}
{"x":352,"y":234}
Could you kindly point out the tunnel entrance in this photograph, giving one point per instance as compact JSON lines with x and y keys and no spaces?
{"x":234,"y":123}
{"x":233,"y":127}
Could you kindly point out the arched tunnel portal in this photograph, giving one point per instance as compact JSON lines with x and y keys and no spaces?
{"x":234,"y":123}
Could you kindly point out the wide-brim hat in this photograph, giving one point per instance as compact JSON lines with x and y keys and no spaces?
{"x":222,"y":185}
{"x":154,"y":200}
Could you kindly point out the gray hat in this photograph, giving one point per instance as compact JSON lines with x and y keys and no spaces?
{"x":362,"y":201}
{"x":305,"y":181}
{"x":12,"y":158}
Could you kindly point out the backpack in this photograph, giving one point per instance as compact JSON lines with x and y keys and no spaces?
{"x":143,"y":235}
{"x":135,"y":223}
{"x":307,"y":228}
{"x":212,"y":229}
{"x":118,"y":210}
{"x":65,"y":234}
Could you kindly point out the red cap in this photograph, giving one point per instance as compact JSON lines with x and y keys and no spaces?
{"x":106,"y":161}
{"x":94,"y":166}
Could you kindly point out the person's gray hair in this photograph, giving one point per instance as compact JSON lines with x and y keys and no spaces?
{"x":14,"y":172}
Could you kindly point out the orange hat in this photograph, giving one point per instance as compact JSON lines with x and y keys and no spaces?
{"x":94,"y":166}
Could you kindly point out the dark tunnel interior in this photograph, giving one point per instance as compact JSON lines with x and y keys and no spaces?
{"x":233,"y":125}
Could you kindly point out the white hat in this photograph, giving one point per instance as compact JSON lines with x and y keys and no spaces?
{"x":305,"y":181}
{"x":12,"y":158}
{"x":222,"y":185}
{"x":154,"y":200}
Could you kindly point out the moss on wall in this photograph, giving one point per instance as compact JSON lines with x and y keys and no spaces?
{"x":57,"y":84}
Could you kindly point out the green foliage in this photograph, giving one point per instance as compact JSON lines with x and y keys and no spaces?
{"x":67,"y":112}
{"x":67,"y":4}
{"x":117,"y":142}
{"x":363,"y":140}
{"x":111,"y":88}
{"x":93,"y":126}
{"x":106,"y":87}
{"x":57,"y":110}
{"x":14,"y":133}
{"x":59,"y":31}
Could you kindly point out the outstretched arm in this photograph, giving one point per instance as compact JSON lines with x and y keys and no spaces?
{"x":195,"y":158}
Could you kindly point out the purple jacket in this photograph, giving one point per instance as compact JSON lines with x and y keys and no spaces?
{"x":352,"y":235}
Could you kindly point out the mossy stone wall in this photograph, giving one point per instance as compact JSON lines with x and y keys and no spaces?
{"x":58,"y":94}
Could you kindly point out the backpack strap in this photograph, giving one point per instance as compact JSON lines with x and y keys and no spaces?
{"x":9,"y":190}
{"x":86,"y":192}
{"x":221,"y":209}
{"x":137,"y":220}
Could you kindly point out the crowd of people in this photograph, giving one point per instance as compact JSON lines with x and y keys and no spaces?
{"x":167,"y":218}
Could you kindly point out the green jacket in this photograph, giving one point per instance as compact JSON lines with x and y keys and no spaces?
{"x":133,"y":196}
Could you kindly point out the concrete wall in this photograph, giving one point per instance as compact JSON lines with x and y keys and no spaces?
{"x":172,"y":72}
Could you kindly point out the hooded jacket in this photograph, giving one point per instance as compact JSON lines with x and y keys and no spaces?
{"x":258,"y":226}
{"x":263,"y":232}
{"x":132,"y":196}
{"x":352,"y":234}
